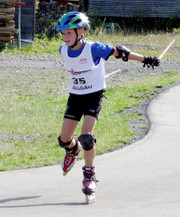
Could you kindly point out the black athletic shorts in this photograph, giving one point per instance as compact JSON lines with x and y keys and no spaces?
{"x":79,"y":105}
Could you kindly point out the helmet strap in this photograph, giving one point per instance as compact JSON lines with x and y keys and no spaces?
{"x":77,"y":40}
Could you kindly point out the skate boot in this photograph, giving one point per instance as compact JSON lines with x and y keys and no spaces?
{"x":89,"y":184}
{"x":70,"y":158}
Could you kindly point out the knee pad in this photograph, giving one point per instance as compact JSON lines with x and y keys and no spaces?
{"x":63,"y":144}
{"x":87,"y":141}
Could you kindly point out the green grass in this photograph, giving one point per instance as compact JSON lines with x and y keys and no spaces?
{"x":30,"y":124}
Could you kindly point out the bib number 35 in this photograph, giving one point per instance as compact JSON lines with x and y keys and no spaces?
{"x":79,"y":80}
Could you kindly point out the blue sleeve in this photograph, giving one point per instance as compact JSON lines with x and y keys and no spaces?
{"x":60,"y":49}
{"x":100,"y":50}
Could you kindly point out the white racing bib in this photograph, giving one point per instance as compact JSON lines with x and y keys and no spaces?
{"x":84,"y":76}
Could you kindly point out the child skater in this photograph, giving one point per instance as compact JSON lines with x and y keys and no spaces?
{"x":84,"y":62}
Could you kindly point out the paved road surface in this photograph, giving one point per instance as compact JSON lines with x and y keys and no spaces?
{"x":141,"y":180}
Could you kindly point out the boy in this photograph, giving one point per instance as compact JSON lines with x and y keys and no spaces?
{"x":84,"y":62}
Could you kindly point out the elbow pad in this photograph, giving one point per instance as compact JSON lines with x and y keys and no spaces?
{"x":123,"y":53}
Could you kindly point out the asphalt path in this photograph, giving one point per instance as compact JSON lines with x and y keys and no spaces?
{"x":141,"y":180}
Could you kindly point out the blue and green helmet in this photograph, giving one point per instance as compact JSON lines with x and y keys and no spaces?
{"x":72,"y":20}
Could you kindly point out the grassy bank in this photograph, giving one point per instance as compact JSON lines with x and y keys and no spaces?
{"x":30,"y":123}
{"x":31,"y":109}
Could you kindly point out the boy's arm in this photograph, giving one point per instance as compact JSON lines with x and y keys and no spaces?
{"x":131,"y":56}
{"x":137,"y":57}
{"x":126,"y":54}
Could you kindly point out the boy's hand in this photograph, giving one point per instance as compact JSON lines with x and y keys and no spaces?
{"x":151,"y":61}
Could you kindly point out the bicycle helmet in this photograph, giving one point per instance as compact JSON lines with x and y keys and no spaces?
{"x":72,"y":20}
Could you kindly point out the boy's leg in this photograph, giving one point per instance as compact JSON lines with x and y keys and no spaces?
{"x":67,"y":131}
{"x":87,"y":128}
{"x":71,"y":146}
{"x":89,"y":182}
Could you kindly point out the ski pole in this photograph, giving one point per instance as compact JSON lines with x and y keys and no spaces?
{"x":166,"y":50}
{"x":112,"y":73}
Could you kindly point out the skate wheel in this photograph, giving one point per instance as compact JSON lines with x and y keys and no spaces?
{"x":90,"y":198}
